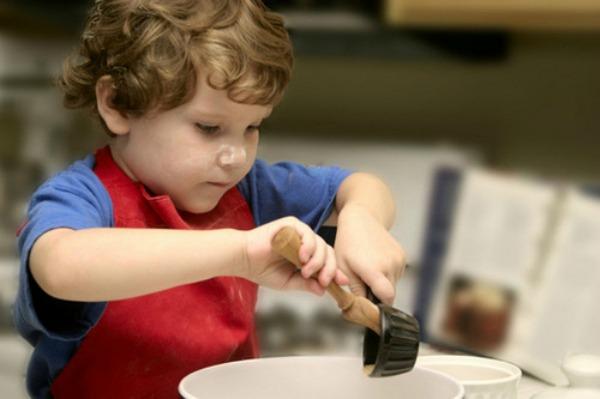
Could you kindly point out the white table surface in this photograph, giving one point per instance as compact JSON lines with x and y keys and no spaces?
{"x":529,"y":386}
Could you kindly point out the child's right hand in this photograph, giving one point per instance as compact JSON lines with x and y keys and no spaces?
{"x":265,"y":267}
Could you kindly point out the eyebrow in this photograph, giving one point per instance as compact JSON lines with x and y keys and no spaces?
{"x":219,"y":116}
{"x":199,"y":112}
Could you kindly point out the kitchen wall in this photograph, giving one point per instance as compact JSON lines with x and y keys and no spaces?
{"x":536,"y":110}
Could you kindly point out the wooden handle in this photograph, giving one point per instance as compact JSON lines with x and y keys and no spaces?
{"x":287,"y":244}
{"x":356,"y":309}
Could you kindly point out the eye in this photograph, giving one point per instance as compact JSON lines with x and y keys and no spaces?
{"x":252,"y":128}
{"x":208,"y":129}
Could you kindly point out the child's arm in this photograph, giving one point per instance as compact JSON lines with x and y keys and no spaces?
{"x":104,"y":264}
{"x":364,"y":248}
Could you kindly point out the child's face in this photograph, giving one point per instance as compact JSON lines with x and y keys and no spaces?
{"x":194,"y":152}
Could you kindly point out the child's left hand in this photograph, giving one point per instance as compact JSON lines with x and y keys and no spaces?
{"x":368,"y":253}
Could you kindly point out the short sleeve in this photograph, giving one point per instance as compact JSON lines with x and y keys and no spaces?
{"x":75,"y":199}
{"x":291,"y":189}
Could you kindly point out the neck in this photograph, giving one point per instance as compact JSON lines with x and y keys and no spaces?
{"x":116,"y":150}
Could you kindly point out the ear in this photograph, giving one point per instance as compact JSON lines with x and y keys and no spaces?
{"x":116,"y":122}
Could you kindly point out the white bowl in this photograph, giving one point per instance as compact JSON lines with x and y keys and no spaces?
{"x":482,"y":378}
{"x":305,"y":377}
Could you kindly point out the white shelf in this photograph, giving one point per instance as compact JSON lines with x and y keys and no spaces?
{"x":510,"y":14}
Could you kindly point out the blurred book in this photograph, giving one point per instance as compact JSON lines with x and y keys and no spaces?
{"x":510,"y":270}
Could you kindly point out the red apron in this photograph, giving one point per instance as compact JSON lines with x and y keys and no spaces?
{"x":142,"y":347}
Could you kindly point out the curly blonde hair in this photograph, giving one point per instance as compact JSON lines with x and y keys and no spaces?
{"x":154,"y":49}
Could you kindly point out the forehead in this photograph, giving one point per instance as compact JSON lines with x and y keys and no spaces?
{"x":208,"y":100}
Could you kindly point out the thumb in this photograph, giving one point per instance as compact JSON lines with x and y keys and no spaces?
{"x":356,"y":285}
{"x":383,"y":289}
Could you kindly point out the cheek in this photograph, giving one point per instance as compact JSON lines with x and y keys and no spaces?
{"x":195,"y":162}
{"x":251,"y":149}
{"x":193,"y":158}
{"x":250,"y":158}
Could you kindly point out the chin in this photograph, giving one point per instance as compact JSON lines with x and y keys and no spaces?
{"x":198,"y":202}
{"x":201,"y":208}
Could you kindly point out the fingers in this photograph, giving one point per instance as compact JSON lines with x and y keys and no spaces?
{"x":299,"y":283}
{"x":317,"y":257}
{"x":382,"y":284}
{"x":356,"y":285}
{"x":319,"y":263}
{"x":309,"y":244}
{"x":379,"y":284}
{"x":329,"y":271}
{"x":313,"y":260}
{"x":383,"y":289}
{"x":341,"y":278}
{"x":322,"y":264}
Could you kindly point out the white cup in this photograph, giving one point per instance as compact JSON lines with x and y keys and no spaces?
{"x":582,"y":370}
{"x":482,"y":378}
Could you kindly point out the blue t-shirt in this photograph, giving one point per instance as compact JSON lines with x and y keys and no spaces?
{"x":76,"y":199}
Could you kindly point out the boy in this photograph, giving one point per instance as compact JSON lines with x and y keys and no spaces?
{"x":140,"y":264}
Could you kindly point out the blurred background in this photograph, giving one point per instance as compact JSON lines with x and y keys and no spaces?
{"x":400,"y":88}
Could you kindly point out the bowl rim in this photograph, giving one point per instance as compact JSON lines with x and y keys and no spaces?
{"x":514,"y":372}
{"x":460,"y":394}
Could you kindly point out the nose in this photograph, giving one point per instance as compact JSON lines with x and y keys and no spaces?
{"x":229,"y":156}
